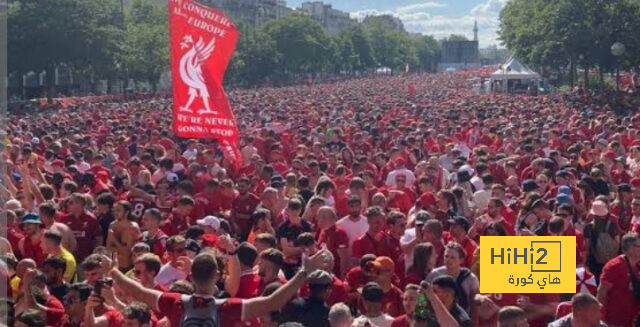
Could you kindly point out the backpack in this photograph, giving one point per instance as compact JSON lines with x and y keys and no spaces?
{"x":603,"y":245}
{"x":461,"y":295}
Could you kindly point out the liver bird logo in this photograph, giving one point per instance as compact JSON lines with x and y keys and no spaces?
{"x":191,"y":71}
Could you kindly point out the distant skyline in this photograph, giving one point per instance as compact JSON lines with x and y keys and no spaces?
{"x":438,"y":18}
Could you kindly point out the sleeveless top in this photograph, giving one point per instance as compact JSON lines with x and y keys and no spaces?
{"x":200,"y":311}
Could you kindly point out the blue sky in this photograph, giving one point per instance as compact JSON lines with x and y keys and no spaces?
{"x":439,"y":18}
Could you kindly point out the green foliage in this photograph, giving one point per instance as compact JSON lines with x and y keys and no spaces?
{"x":146,"y":46}
{"x":455,"y":37}
{"x":556,"y":33}
{"x":302,"y":42}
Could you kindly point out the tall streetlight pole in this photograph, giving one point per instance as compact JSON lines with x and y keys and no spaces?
{"x":618,"y":49}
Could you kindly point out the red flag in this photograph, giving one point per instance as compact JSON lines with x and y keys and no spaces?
{"x":202,"y":43}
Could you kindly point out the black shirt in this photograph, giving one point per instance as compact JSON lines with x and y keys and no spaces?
{"x":286,"y":230}
{"x":60,"y":291}
{"x":311,"y":312}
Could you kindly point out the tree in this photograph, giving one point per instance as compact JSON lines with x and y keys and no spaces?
{"x":455,"y":38}
{"x":255,"y":58}
{"x":302,"y":43}
{"x":386,"y":42}
{"x":46,"y":34}
{"x":146,"y":47}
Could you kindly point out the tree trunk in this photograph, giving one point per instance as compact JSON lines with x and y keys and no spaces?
{"x":586,"y":77}
{"x":571,"y":73}
{"x":601,"y":75}
{"x":50,"y":82}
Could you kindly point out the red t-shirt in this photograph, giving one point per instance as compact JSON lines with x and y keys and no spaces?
{"x":249,"y":285}
{"x":229,"y":312}
{"x":356,"y":278}
{"x":245,"y":204}
{"x":86,"y":229}
{"x":470,"y":247}
{"x":392,"y":302}
{"x":175,"y":225}
{"x":621,"y":306}
{"x":402,"y":321}
{"x":365,"y":244}
{"x":335,"y":239}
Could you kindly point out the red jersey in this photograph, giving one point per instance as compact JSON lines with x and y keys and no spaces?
{"x":244,"y":204}
{"x":33,"y":250}
{"x":335,"y":239}
{"x":86,"y":230}
{"x":175,"y":225}
{"x":621,"y":306}
{"x":249,"y":284}
{"x":365,"y":244}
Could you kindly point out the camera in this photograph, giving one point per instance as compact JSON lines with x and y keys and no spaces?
{"x":100,"y":283}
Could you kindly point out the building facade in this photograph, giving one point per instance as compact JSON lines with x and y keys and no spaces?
{"x":252,"y":12}
{"x":332,"y":20}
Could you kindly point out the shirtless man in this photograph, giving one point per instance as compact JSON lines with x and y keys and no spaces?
{"x":123,"y":234}
{"x":47,"y":214}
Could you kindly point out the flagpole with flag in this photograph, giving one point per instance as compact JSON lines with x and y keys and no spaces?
{"x":202,"y":43}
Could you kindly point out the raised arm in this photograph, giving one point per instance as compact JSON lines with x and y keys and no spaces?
{"x":134,"y":289}
{"x":263,"y":305}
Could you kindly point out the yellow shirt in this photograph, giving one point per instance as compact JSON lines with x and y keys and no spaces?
{"x":70,"y":271}
{"x":15,"y":287}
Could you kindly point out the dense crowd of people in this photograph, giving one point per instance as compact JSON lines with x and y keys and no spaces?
{"x":358,"y":203}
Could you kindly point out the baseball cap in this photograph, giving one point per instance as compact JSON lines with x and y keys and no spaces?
{"x":31,"y":219}
{"x":383,"y":263}
{"x":277,"y":181}
{"x":320,"y":277}
{"x":564,"y":190}
{"x":372,"y":292}
{"x":172,"y":177}
{"x":529,"y":185}
{"x":624,"y":187}
{"x":563,"y":199}
{"x":193,"y":246}
{"x":422,"y":217}
{"x":210,"y":221}
{"x":460,"y":221}
{"x":427,"y":199}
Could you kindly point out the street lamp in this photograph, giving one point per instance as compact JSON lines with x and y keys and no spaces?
{"x":617,"y":49}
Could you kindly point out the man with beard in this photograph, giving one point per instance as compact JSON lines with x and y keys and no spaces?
{"x":83,"y":225}
{"x":242,"y":207}
{"x":30,"y":245}
{"x":270,"y":262}
{"x":53,"y":269}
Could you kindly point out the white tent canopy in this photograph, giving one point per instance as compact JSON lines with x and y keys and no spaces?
{"x":513,"y":72}
{"x":514,"y":69}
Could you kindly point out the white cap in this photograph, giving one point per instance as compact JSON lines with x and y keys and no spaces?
{"x":209,"y":221}
{"x":468,"y":169}
{"x":171,"y":177}
{"x":35,"y":141}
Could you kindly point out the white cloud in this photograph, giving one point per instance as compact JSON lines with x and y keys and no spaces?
{"x":417,"y":19}
{"x":420,"y":7}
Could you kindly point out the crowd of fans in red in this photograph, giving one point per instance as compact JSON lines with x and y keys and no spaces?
{"x":353,"y":198}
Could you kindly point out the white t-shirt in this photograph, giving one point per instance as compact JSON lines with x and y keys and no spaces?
{"x":168,"y":274}
{"x":354,"y":229}
{"x":190,"y":154}
{"x":383,"y":320}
